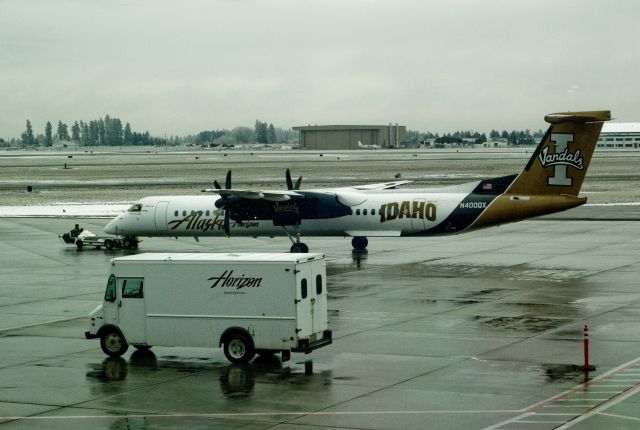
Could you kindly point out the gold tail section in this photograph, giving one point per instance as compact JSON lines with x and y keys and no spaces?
{"x":552,"y":179}
{"x":560,"y":162}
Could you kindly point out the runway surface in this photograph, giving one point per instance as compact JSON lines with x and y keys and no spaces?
{"x":482,"y":330}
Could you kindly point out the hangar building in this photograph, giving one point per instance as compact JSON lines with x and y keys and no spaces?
{"x":620,"y":135}
{"x":348,"y":136}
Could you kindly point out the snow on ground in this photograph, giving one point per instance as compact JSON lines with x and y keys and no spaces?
{"x":93,"y":210}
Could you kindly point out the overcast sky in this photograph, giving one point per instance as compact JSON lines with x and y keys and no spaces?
{"x":181,"y":67}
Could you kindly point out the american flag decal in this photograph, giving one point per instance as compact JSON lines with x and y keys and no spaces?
{"x":487,"y":186}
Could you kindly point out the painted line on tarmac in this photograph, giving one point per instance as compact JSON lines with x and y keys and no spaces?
{"x":255,"y":414}
{"x":4,"y":330}
{"x":583,"y":411}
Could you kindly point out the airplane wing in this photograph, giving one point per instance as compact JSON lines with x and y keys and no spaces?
{"x":269,"y":195}
{"x":378,"y":186}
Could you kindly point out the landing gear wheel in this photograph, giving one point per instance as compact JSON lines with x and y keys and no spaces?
{"x":108,"y":243}
{"x":128,"y":243}
{"x":359,"y":243}
{"x":238,"y":349}
{"x":113,"y":344}
{"x":79,"y":244}
{"x":299,"y":248}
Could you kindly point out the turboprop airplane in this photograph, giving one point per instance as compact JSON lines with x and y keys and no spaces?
{"x":550,"y":182}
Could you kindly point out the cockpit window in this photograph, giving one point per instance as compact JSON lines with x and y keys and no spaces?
{"x":135,"y":208}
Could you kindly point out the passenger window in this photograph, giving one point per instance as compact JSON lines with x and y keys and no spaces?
{"x":319,"y":284}
{"x":303,"y":288}
{"x":110,"y":293}
{"x":207,"y":213}
{"x":175,"y":213}
{"x":364,"y":211}
{"x":373,"y":211}
{"x":132,"y":288}
{"x":357,"y":211}
{"x":184,"y":213}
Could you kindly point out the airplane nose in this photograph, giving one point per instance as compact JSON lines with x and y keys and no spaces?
{"x":111,"y":227}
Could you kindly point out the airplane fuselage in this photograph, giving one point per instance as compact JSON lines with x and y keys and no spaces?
{"x":364,"y":213}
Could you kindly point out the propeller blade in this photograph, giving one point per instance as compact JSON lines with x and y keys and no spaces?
{"x":288,"y":178}
{"x":227,"y":226}
{"x":227,"y":181}
{"x":216,"y":184}
{"x":298,"y":182}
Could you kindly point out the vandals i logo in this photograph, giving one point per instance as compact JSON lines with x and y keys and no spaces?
{"x":561,"y":158}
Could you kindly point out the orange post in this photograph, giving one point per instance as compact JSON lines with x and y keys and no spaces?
{"x":587,"y":367}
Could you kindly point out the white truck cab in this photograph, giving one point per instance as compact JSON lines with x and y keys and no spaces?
{"x":246,"y":303}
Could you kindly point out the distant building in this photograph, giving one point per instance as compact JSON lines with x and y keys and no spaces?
{"x":620,"y":135}
{"x":348,"y":136}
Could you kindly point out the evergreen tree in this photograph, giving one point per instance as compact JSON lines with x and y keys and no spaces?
{"x":27,"y":136}
{"x":261,"y":132}
{"x":75,"y":132}
{"x":84,"y":134}
{"x":128,"y":136}
{"x":48,"y":134}
{"x":101,"y":132}
{"x":94,"y":133}
{"x":271,"y":134}
{"x":63,"y":131}
{"x":115,"y":132}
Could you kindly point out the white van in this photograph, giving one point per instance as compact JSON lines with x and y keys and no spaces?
{"x":247,"y":303}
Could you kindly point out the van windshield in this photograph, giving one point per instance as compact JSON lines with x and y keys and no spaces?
{"x":110,"y":293}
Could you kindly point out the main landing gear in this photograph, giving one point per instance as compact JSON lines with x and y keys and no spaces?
{"x":297,"y":247}
{"x":359,"y":243}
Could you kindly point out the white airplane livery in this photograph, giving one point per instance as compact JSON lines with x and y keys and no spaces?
{"x":550,"y":182}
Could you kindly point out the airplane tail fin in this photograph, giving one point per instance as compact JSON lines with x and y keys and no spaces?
{"x":553,"y":176}
{"x":559,"y":164}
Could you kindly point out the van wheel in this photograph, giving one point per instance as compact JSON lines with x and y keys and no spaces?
{"x":79,"y":244}
{"x":108,"y":243}
{"x":113,"y":344}
{"x":238,"y":349}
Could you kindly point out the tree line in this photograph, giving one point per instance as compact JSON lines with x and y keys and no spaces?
{"x":105,"y":131}
{"x":110,"y":131}
{"x":514,"y":137}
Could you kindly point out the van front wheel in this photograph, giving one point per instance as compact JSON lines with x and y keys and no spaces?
{"x":238,"y":349}
{"x":113,"y":344}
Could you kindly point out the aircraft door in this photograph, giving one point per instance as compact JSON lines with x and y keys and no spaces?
{"x":161,"y":216}
{"x":131,"y":310}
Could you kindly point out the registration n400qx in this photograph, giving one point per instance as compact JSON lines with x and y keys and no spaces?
{"x":246,"y":303}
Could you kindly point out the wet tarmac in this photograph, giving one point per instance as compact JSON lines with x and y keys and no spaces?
{"x":480,"y":330}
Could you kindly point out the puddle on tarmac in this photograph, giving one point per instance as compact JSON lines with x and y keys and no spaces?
{"x":563,"y":372}
{"x":524,"y":323}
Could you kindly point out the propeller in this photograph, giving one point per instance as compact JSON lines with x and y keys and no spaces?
{"x":290,"y":184}
{"x":223,"y":205}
